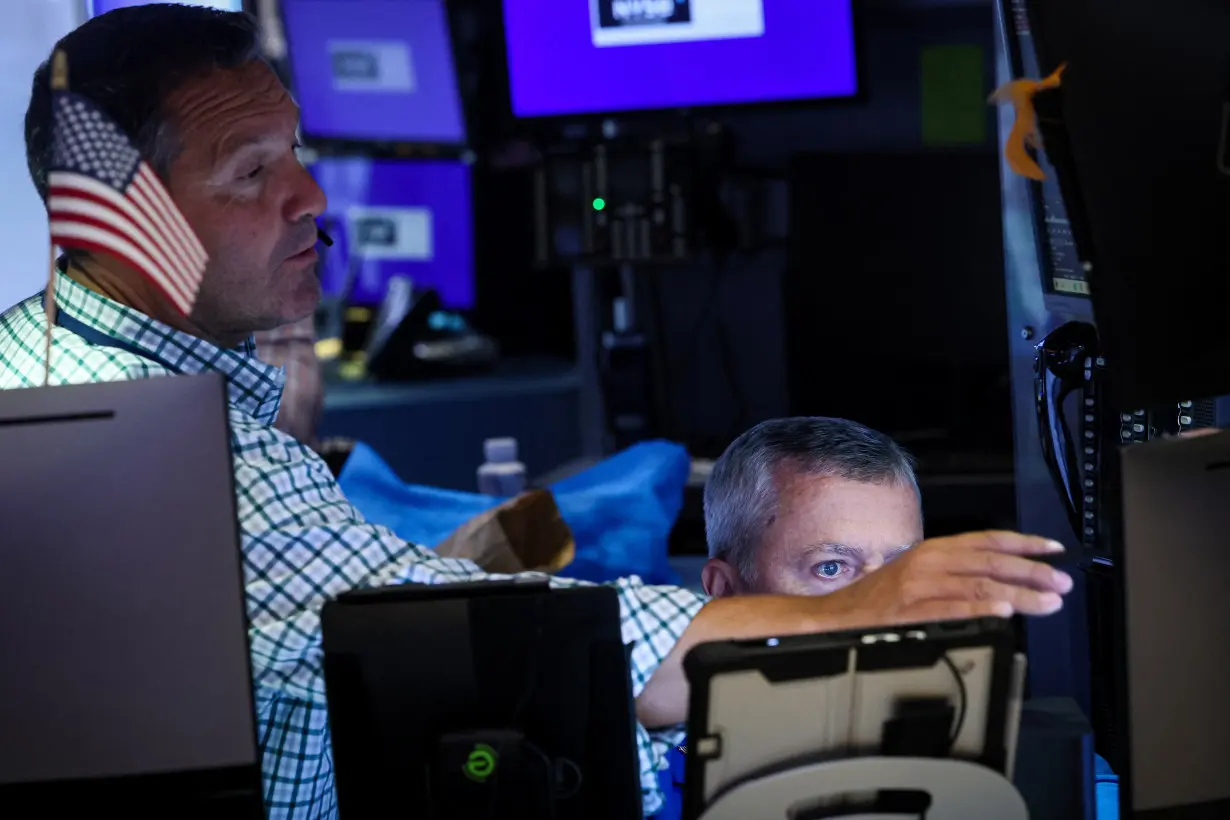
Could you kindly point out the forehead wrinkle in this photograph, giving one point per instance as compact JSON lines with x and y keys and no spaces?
{"x":224,"y":99}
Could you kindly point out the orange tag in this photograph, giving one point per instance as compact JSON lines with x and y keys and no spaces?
{"x":1024,"y":133}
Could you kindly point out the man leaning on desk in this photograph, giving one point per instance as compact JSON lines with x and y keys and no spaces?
{"x":188,"y":85}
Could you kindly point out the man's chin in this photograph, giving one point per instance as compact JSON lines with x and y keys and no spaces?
{"x":307,"y":296}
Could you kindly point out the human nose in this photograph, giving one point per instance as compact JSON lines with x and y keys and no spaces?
{"x":308,"y":199}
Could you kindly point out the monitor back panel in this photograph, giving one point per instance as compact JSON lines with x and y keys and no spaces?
{"x":406,"y":665}
{"x":125,"y":642}
{"x":1176,"y":566}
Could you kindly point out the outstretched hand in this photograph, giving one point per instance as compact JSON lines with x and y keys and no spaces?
{"x":964,"y":576}
{"x":974,"y":575}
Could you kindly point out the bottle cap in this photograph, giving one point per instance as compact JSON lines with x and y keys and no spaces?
{"x":500,"y":450}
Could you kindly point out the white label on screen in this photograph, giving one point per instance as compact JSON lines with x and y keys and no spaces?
{"x":404,"y":234}
{"x":371,"y":65}
{"x":645,"y":22}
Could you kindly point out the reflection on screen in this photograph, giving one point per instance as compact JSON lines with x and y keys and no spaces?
{"x":374,"y":70}
{"x":623,"y":55}
{"x":96,"y":7}
{"x":398,"y":219}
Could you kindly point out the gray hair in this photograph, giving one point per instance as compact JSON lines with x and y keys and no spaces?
{"x":741,"y":493}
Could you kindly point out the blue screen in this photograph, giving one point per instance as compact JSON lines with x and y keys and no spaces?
{"x":96,"y":7}
{"x":600,"y":56}
{"x":398,"y":218}
{"x":374,"y":70}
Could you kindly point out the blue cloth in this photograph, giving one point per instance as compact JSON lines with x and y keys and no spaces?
{"x":1106,"y":790}
{"x":671,"y":779}
{"x":620,"y":511}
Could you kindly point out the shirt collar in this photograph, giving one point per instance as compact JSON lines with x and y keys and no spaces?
{"x":252,"y":386}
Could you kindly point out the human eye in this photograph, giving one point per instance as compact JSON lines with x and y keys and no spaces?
{"x":251,"y":173}
{"x":831,"y":570}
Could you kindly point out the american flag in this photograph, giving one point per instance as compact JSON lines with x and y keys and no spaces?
{"x":103,"y":197}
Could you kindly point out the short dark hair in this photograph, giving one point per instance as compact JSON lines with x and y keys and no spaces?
{"x":128,"y":62}
{"x":741,"y":493}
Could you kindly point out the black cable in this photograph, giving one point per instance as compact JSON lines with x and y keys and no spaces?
{"x":959,"y":723}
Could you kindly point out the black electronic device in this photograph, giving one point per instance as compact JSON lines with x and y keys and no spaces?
{"x":910,"y":296}
{"x":127,"y":686}
{"x":1063,"y":272}
{"x":1173,"y":654}
{"x":1081,"y":434}
{"x":615,"y":201}
{"x":950,"y":690}
{"x":1137,"y":134}
{"x":501,"y":700}
{"x":413,"y":337}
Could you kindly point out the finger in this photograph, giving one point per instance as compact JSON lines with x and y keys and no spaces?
{"x":957,"y":610}
{"x":986,"y":590}
{"x":1008,"y":569}
{"x":1005,"y":541}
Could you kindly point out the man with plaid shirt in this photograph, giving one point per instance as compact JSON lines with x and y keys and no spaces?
{"x":187,"y":83}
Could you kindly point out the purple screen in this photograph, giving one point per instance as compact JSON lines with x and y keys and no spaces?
{"x":398,"y":218}
{"x":601,"y":56}
{"x":378,"y":70}
{"x":96,"y":7}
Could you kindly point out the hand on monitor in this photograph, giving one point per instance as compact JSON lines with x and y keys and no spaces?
{"x":983,"y":574}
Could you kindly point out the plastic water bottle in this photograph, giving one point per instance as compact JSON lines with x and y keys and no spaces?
{"x":501,"y":474}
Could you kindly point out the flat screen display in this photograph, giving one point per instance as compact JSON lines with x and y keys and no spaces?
{"x":1062,"y":269}
{"x":374,"y":70}
{"x":569,"y":57}
{"x":398,"y":218}
{"x":96,"y":7}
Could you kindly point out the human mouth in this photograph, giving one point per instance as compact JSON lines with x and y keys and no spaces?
{"x":306,"y":255}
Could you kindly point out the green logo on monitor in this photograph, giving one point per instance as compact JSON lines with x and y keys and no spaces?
{"x":481,"y":763}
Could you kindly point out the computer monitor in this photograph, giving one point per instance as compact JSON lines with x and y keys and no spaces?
{"x":95,"y":7}
{"x":1139,"y":134}
{"x":127,"y":683}
{"x":524,"y":710}
{"x":1174,"y":646}
{"x":399,"y":218}
{"x":611,"y":56}
{"x":374,"y":71}
{"x":1058,"y":258}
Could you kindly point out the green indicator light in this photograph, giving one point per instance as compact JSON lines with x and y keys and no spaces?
{"x":599,"y":203}
{"x":481,"y":763}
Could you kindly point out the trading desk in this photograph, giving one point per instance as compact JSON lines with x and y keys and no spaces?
{"x":432,"y":432}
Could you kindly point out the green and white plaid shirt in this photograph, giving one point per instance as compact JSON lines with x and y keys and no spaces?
{"x":302,"y":541}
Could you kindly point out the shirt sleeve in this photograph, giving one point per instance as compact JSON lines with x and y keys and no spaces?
{"x":304,"y":544}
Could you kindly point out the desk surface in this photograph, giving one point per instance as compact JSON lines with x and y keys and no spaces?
{"x":510,"y":378}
